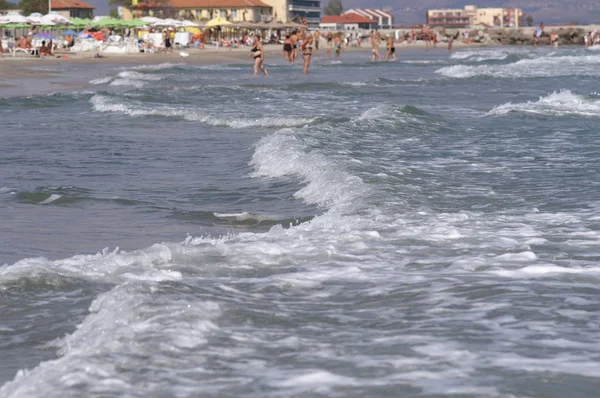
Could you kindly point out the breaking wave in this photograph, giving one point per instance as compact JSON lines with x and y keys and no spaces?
{"x":559,"y":103}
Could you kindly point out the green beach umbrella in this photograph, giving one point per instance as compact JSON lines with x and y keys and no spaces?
{"x":108,"y":23}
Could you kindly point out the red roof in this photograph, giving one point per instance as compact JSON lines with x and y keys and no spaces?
{"x":346,"y":18}
{"x":69,"y":4}
{"x":216,"y":3}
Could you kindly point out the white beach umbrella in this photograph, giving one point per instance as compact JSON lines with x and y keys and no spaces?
{"x":150,"y":20}
{"x":56,"y":19}
{"x":167,"y":22}
{"x":190,"y":24}
{"x":15,"y":18}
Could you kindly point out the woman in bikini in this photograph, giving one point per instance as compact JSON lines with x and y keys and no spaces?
{"x":391,"y":49}
{"x":287,"y":49}
{"x":258,"y":53}
{"x":307,"y":53}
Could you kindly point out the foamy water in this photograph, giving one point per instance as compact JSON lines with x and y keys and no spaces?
{"x":367,"y":230}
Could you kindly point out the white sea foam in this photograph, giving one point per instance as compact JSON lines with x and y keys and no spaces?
{"x":165,"y":65}
{"x":151,"y":264}
{"x":493,"y":54}
{"x":246,"y":216}
{"x":546,"y":270}
{"x":545,"y":66}
{"x":102,"y":80}
{"x":563,"y":102}
{"x":282,"y":154}
{"x":138,"y":76}
{"x":104,"y":104}
{"x":128,"y":82}
{"x":123,"y":324}
{"x":50,"y":199}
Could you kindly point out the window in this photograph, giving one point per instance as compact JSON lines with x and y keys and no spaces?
{"x":223,"y":13}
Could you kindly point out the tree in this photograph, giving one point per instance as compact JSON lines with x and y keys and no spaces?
{"x":6,"y":5}
{"x":31,"y":6}
{"x":529,"y":20}
{"x":114,"y":13}
{"x":334,"y":7}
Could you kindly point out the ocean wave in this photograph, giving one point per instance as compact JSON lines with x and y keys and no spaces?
{"x":63,"y":196}
{"x":490,"y":55}
{"x":103,"y":103}
{"x":128,"y":82}
{"x":102,"y":80}
{"x":546,"y":66}
{"x":165,"y":65}
{"x":115,"y":266}
{"x":122,"y":323}
{"x":563,"y":102}
{"x":327,"y":184}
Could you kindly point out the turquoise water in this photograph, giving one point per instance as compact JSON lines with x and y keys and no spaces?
{"x":427,"y":227}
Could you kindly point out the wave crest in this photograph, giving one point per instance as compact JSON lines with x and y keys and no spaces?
{"x":559,"y":103}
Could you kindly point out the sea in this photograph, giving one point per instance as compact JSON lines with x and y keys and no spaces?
{"x":428,"y":227}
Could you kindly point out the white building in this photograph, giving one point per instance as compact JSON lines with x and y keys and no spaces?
{"x":384,"y":19}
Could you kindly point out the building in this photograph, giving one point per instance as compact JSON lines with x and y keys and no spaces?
{"x":471,"y":15}
{"x":232,"y":10}
{"x":347,"y":22}
{"x":297,"y":11}
{"x":72,"y":8}
{"x":384,"y":19}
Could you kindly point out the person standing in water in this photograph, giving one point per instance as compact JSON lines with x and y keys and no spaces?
{"x":287,"y":49}
{"x":307,"y":53}
{"x":391,"y":49}
{"x":294,"y":38}
{"x":258,"y":53}
{"x":375,"y":47}
{"x":337,"y":44}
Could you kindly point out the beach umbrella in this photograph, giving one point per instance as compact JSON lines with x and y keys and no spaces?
{"x":70,"y":33}
{"x":218,"y":21}
{"x":56,"y":19}
{"x":134,"y":23}
{"x":150,"y":20}
{"x":108,"y":23}
{"x":81,"y":22}
{"x":15,"y":19}
{"x":189,"y":24}
{"x":167,"y":22}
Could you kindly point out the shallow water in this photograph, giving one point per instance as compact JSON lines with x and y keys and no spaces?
{"x":427,"y":227}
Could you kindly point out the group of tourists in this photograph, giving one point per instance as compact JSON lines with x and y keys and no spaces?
{"x":306,"y":42}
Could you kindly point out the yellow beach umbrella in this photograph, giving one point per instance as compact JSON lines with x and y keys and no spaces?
{"x":218,"y":21}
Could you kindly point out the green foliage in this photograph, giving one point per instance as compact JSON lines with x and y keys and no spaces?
{"x":31,"y":6}
{"x":6,"y":5}
{"x":114,"y":13}
{"x":334,"y":7}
